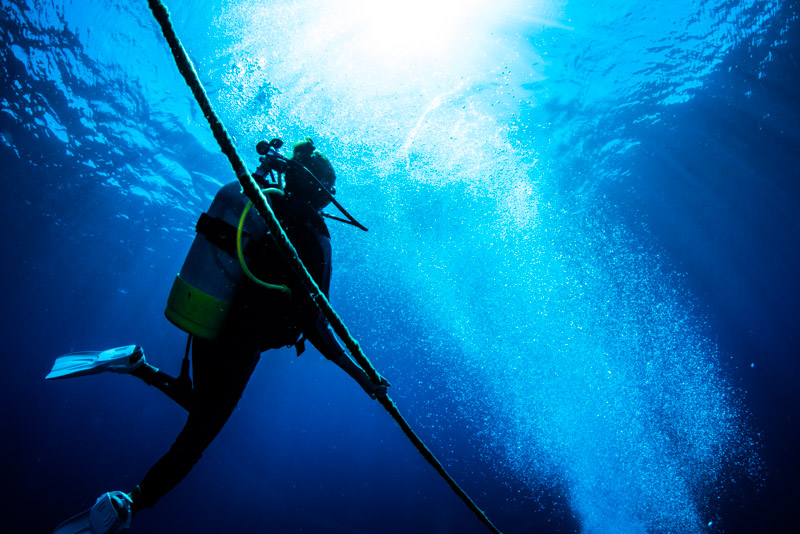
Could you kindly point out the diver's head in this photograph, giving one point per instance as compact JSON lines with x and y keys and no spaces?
{"x":298,"y":181}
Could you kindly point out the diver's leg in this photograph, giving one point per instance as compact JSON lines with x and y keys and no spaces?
{"x":176,"y":389}
{"x":221,"y":371}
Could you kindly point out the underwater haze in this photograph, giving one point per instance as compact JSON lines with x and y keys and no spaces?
{"x":580,"y":274}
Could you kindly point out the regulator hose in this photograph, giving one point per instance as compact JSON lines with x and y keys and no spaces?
{"x":282,"y":288}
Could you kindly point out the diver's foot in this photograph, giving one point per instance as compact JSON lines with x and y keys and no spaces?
{"x":111,"y":514}
{"x":119,"y":360}
{"x":129,"y":364}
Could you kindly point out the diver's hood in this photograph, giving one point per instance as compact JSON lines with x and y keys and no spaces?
{"x":310,"y":175}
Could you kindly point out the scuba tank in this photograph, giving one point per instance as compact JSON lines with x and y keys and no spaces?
{"x":207,"y":296}
{"x":201,"y":297}
{"x":201,"y":300}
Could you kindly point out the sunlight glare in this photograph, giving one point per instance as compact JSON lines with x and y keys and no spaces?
{"x":413,"y":30}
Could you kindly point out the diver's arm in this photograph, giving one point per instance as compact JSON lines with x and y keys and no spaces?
{"x":316,"y":327}
{"x":323,"y":339}
{"x":358,"y":374}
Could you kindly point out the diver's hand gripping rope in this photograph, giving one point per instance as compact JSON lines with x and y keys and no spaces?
{"x":253,"y":192}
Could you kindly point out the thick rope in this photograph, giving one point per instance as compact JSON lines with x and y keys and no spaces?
{"x":426,"y":453}
{"x":253,"y":192}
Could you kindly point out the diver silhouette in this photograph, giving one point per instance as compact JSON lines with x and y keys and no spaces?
{"x":231,"y":316}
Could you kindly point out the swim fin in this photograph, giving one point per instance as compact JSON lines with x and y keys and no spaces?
{"x":111,"y":514}
{"x":119,"y":360}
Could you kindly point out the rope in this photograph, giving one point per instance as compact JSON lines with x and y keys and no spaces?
{"x":253,"y":192}
{"x":426,"y":453}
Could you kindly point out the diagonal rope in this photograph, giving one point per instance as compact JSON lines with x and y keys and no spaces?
{"x":287,"y":250}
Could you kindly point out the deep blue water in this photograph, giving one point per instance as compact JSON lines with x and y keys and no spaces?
{"x":580,"y":274}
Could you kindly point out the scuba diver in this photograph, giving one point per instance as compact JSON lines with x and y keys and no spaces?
{"x":236,"y":297}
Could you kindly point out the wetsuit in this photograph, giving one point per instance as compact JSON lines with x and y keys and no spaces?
{"x":221,"y":368}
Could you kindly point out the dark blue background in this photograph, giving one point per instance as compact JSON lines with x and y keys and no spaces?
{"x":714,"y":185}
